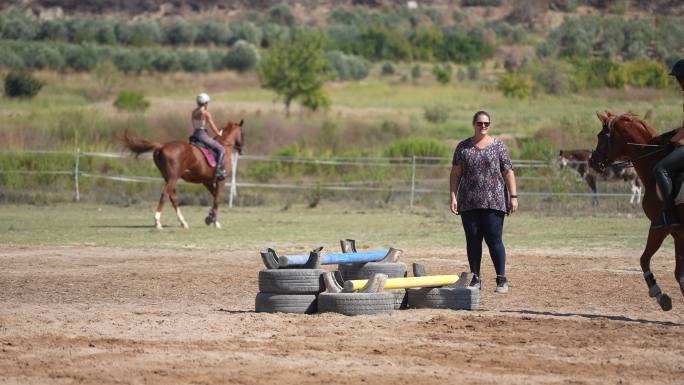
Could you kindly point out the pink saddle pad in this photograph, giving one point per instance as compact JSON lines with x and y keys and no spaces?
{"x":208,"y":155}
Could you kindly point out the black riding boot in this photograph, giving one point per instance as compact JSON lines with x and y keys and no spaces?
{"x":668,"y":217}
{"x":220,"y":172}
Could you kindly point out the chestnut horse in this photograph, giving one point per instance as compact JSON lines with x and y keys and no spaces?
{"x":183,"y":160}
{"x":627,"y":138}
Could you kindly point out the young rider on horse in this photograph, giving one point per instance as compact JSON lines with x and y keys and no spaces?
{"x":671,"y":164}
{"x":201,"y":118}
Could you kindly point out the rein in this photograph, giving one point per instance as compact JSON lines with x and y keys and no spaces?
{"x":625,"y":162}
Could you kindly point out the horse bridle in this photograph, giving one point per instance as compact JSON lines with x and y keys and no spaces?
{"x":608,"y":128}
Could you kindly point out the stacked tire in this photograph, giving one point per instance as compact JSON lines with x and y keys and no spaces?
{"x":289,"y":290}
{"x":456,"y":298}
{"x":366,"y":270}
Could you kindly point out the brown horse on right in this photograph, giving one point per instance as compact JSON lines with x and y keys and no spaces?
{"x":627,"y":138}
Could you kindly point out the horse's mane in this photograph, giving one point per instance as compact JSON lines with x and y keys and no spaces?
{"x":646,"y":132}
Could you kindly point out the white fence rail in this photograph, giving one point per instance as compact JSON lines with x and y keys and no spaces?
{"x":411,"y":188}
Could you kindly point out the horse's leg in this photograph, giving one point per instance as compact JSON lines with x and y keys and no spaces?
{"x":211,"y":217}
{"x":174,"y":201}
{"x":168,"y":188}
{"x":655,"y":239}
{"x":591,"y":181}
{"x":220,"y":186}
{"x":679,"y":261}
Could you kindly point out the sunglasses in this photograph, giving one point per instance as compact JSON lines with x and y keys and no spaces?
{"x":482,"y":124}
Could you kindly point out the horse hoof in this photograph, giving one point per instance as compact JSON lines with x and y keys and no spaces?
{"x":218,"y":225}
{"x":665,"y":302}
{"x":207,"y":221}
{"x":158,"y":226}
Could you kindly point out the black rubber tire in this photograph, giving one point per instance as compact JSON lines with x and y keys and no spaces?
{"x":366,"y":270}
{"x":291,"y":281}
{"x":285,"y":303}
{"x":356,"y":303}
{"x":444,"y":298}
{"x":400,"y":298}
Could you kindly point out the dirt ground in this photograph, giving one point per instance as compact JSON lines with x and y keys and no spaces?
{"x":106,"y":316}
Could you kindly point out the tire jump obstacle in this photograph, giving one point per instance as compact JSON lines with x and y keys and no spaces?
{"x":367,"y":282}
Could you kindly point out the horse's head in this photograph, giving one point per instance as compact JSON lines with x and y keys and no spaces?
{"x":233,"y":135}
{"x":614,"y":138}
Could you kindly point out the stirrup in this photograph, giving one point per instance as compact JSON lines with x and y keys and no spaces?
{"x":220,"y":174}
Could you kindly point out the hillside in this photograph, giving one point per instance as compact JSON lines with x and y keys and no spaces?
{"x":531,"y":12}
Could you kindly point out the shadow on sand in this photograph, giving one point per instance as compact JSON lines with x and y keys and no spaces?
{"x":595,"y":316}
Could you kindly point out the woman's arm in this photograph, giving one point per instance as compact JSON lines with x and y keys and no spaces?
{"x":454,"y":180}
{"x":211,"y":124}
{"x":509,"y":177}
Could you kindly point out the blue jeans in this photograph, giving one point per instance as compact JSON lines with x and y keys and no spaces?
{"x":484,"y":224}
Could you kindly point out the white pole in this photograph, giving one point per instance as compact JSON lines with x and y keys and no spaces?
{"x":413,"y":179}
{"x":233,"y":178}
{"x":78,"y":157}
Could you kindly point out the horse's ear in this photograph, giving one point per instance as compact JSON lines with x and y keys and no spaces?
{"x":609,"y":114}
{"x":602,"y":118}
{"x":242,"y":121}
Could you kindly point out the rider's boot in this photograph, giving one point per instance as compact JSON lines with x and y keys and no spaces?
{"x":668,"y":217}
{"x":220,"y":172}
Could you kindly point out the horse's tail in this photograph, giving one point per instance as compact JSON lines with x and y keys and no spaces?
{"x":139,"y":145}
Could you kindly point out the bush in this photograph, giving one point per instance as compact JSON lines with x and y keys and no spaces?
{"x":180,"y":33}
{"x":129,"y":61}
{"x":213,"y":32}
{"x":347,"y":67}
{"x":148,"y":32}
{"x":242,"y":57}
{"x":473,"y":72}
{"x":551,"y":76}
{"x":41,"y":55}
{"x":438,"y":113}
{"x":20,"y":84}
{"x":645,"y":73}
{"x":481,"y":3}
{"x":131,"y":101}
{"x":166,"y":61}
{"x":388,"y":69}
{"x":516,"y":85}
{"x":442,"y":73}
{"x":245,"y":31}
{"x":81,"y":58}
{"x":10,"y":59}
{"x":416,"y":72}
{"x":194,"y":61}
{"x":281,"y":14}
{"x":417,"y":146}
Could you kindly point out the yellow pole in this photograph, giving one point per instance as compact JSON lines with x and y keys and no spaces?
{"x":409,"y":282}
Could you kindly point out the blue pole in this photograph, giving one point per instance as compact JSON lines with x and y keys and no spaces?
{"x":335,"y":258}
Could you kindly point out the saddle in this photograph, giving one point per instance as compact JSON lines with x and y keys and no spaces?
{"x":206,"y":151}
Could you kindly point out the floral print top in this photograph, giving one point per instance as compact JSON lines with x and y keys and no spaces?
{"x":482,"y":183}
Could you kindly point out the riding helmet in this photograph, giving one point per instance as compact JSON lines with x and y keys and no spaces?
{"x":203,"y":99}
{"x":678,"y":69}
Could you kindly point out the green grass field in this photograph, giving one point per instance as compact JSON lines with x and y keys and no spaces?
{"x":300,"y":228}
{"x":76,"y":101}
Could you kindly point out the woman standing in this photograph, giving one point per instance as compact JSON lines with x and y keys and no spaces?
{"x":481,"y":173}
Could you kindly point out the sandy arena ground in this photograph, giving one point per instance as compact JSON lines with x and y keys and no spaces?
{"x":106,"y":316}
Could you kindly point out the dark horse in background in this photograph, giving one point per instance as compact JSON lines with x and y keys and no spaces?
{"x":578,"y":160}
{"x":182,"y":160}
{"x":627,"y":138}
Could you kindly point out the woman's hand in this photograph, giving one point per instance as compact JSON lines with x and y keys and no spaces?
{"x":454,"y":206}
{"x":514,"y":204}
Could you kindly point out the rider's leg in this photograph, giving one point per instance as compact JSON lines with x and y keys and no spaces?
{"x":672,"y":163}
{"x":218,"y":150}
